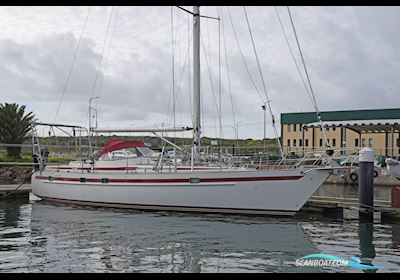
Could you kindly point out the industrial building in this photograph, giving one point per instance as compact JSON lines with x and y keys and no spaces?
{"x":378,"y":129}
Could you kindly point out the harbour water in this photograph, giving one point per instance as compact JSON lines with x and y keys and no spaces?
{"x":37,"y":236}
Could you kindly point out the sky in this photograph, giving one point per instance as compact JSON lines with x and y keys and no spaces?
{"x":130,"y":55}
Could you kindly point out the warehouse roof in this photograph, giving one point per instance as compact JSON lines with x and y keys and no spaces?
{"x":338,"y":116}
{"x":362,"y":125}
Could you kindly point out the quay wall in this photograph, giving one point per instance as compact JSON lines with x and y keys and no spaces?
{"x":15,"y":174}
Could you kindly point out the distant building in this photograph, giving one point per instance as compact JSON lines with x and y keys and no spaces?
{"x":347,"y":130}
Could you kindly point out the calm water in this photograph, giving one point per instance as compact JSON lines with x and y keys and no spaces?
{"x":43,"y":237}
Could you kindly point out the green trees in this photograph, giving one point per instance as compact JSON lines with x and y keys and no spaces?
{"x":15,"y":126}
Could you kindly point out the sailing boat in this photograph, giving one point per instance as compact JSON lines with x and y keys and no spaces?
{"x":221,"y":190}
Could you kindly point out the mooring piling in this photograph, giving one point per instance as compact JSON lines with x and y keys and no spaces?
{"x":366,"y":183}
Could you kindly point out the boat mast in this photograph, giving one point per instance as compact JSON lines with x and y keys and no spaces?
{"x":196,"y":84}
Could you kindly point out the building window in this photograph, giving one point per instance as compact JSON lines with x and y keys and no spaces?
{"x":294,"y":127}
{"x":327,"y":128}
{"x":333,"y":142}
{"x":300,"y":142}
{"x":333,"y":128}
{"x":356,"y":142}
{"x":288,"y":127}
{"x":306,"y":142}
{"x":288,"y":142}
{"x":294,"y":142}
{"x":363,"y":142}
{"x":398,"y":142}
{"x":370,"y":142}
{"x":320,"y":142}
{"x":300,"y":127}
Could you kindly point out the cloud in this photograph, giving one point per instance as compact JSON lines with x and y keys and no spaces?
{"x":351,"y":55}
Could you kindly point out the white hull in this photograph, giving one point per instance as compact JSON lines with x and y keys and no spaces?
{"x":281,"y":192}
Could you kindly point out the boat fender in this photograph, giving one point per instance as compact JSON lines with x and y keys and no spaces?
{"x":329,"y":152}
{"x":376,"y":174}
{"x":35,"y":162}
{"x":353,"y":176}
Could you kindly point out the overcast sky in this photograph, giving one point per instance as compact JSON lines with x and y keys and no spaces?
{"x":351,"y":53}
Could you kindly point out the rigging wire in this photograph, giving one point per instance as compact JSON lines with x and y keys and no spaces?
{"x":107,"y":58}
{"x":189,"y":72}
{"x":100,"y":62}
{"x":227,"y":69}
{"x":202,"y":108}
{"x":169,"y":118}
{"x":72,"y":65}
{"x":208,"y":39}
{"x":174,"y":91}
{"x":326,"y":144}
{"x":219,"y":86}
{"x":210,"y":76}
{"x":219,"y":74}
{"x":173,"y":69}
{"x":177,"y":52}
{"x":292,"y":54}
{"x":258,"y":62}
{"x":108,"y":52}
{"x":102,"y":53}
{"x":180,"y":79}
{"x":241,"y":54}
{"x":264,"y":86}
{"x":209,"y":61}
{"x":202,"y":94}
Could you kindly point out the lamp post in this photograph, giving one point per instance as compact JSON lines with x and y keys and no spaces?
{"x":264,"y":107}
{"x":91,"y":108}
{"x":90,"y":123}
{"x":237,"y":136}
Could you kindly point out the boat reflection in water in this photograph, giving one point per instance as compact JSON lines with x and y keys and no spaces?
{"x":76,"y":239}
{"x":37,"y":236}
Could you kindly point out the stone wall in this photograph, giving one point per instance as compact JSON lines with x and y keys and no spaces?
{"x":15,"y":174}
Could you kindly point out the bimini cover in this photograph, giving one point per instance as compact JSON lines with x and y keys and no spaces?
{"x":114,"y":145}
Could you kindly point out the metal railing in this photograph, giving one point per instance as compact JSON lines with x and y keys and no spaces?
{"x":255,"y":156}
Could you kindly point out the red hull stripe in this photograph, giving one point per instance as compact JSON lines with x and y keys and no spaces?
{"x":120,"y":168}
{"x":97,"y":168}
{"x":186,"y":180}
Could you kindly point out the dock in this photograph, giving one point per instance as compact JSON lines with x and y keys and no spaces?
{"x":15,"y":189}
{"x":347,"y":208}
